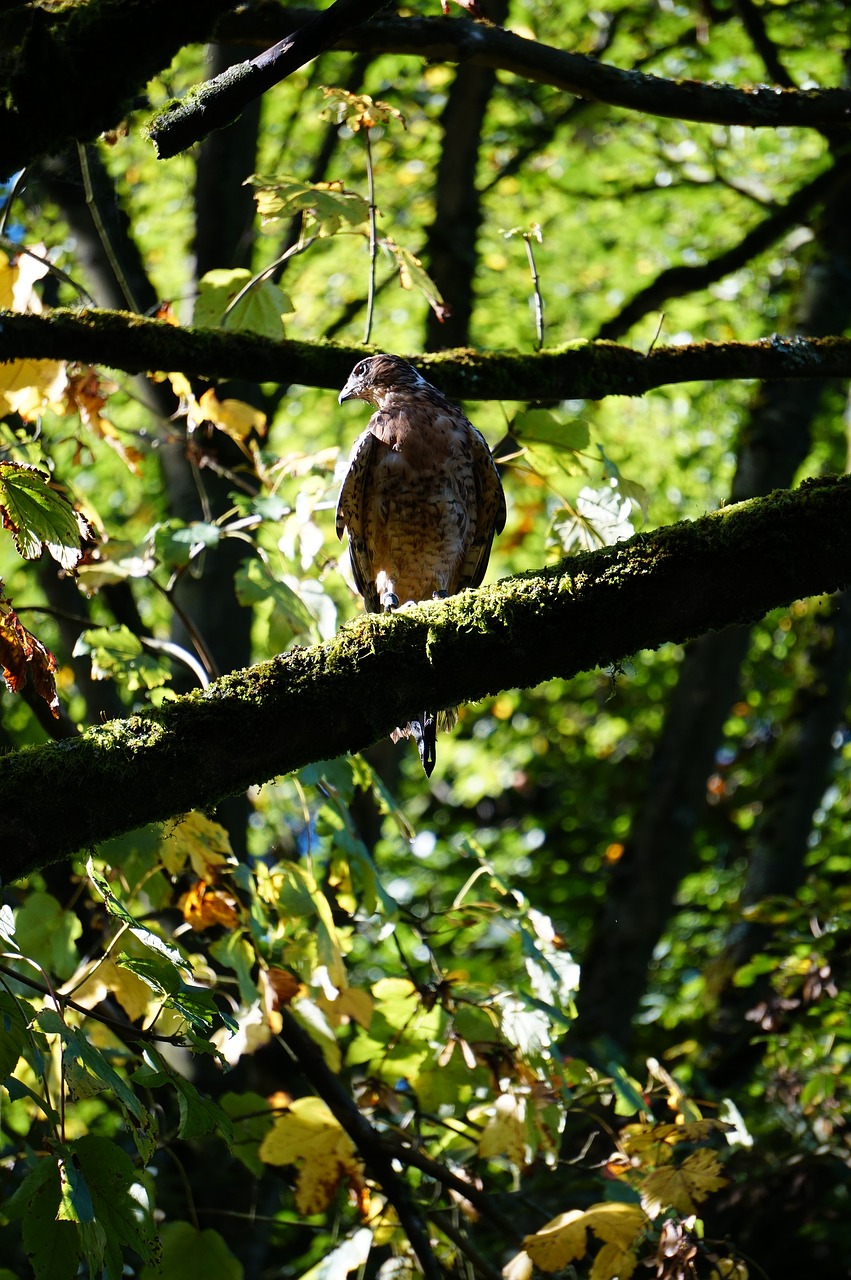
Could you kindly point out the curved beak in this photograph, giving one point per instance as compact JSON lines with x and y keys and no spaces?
{"x":350,"y":391}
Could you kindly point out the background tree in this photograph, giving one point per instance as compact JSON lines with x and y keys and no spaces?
{"x":269,"y":1006}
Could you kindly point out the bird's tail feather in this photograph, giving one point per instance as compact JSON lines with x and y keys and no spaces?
{"x":424,"y":733}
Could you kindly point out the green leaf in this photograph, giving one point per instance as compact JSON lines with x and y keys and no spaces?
{"x":117,"y":654}
{"x":51,"y":1246}
{"x":260,"y":310}
{"x":176,"y":544}
{"x":413,"y":275}
{"x":119,"y":1204}
{"x":38,"y":516}
{"x":46,"y":933}
{"x":79,"y":1048}
{"x":252,"y":1119}
{"x":254,"y":583}
{"x":16,"y":1089}
{"x":195,"y":1004}
{"x":75,"y":1202}
{"x":327,"y":205}
{"x":115,"y":908}
{"x":188,"y":1254}
{"x":15,"y":1017}
{"x":234,"y":952}
{"x":542,"y":426}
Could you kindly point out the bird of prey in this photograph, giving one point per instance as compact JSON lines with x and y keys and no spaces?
{"x":421,"y":501}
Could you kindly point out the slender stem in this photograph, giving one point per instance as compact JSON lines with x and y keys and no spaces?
{"x":536,"y":291}
{"x":267,"y":272}
{"x":100,"y":227}
{"x":373,"y":237}
{"x":126,"y":1029}
{"x":443,"y":1221}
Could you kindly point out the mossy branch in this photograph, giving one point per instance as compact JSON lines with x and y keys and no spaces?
{"x":484,"y":44}
{"x":72,"y":72}
{"x":578,"y":370}
{"x":218,"y":102}
{"x":314,"y":703}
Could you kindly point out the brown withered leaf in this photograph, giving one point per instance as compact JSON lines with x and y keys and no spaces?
{"x":86,"y":395}
{"x":204,"y":907}
{"x":280,"y":987}
{"x":23,"y":657}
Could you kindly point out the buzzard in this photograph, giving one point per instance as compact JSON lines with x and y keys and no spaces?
{"x":421,"y":501}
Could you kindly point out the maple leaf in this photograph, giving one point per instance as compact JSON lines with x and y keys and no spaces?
{"x":279,"y":987}
{"x":236,"y":418}
{"x":413,"y":275}
{"x":685,"y":1187}
{"x":86,"y":395}
{"x":565,"y":1238}
{"x":327,"y":204}
{"x":309,"y":1137}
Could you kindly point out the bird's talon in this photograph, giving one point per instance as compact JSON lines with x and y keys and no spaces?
{"x":440,"y":595}
{"x":389,"y":601}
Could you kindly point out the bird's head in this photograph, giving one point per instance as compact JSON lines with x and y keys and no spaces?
{"x":376,"y":377}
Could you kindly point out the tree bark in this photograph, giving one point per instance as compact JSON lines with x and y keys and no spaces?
{"x":310,"y":704}
{"x":579,"y":370}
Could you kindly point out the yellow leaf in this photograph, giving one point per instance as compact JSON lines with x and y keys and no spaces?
{"x":236,"y":418}
{"x":685,"y":1187}
{"x":382,"y":1220}
{"x":613,"y":1263}
{"x":564,"y":1239}
{"x":350,"y":1005}
{"x":519,"y":1267}
{"x":205,"y":843}
{"x":656,"y":1141}
{"x":28,"y":387}
{"x":559,"y":1242}
{"x":505,"y":1131}
{"x":309,"y":1137}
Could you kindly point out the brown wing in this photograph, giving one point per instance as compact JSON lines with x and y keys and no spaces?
{"x":350,"y":517}
{"x":490,"y":511}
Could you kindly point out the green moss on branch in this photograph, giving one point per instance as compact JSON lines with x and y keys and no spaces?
{"x":592,"y":610}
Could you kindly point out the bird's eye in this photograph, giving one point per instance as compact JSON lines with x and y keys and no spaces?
{"x":360,"y":369}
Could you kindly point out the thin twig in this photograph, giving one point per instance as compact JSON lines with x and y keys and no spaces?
{"x":443,"y":1221}
{"x":373,"y":237}
{"x":125,"y":1029}
{"x":103,"y":235}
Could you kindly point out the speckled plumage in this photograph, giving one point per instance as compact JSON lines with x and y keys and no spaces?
{"x":421,"y":499}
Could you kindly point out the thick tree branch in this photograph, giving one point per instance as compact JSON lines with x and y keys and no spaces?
{"x":98,"y":56}
{"x":218,"y":102}
{"x":310,"y":704}
{"x":459,"y":40}
{"x":580,"y":370}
